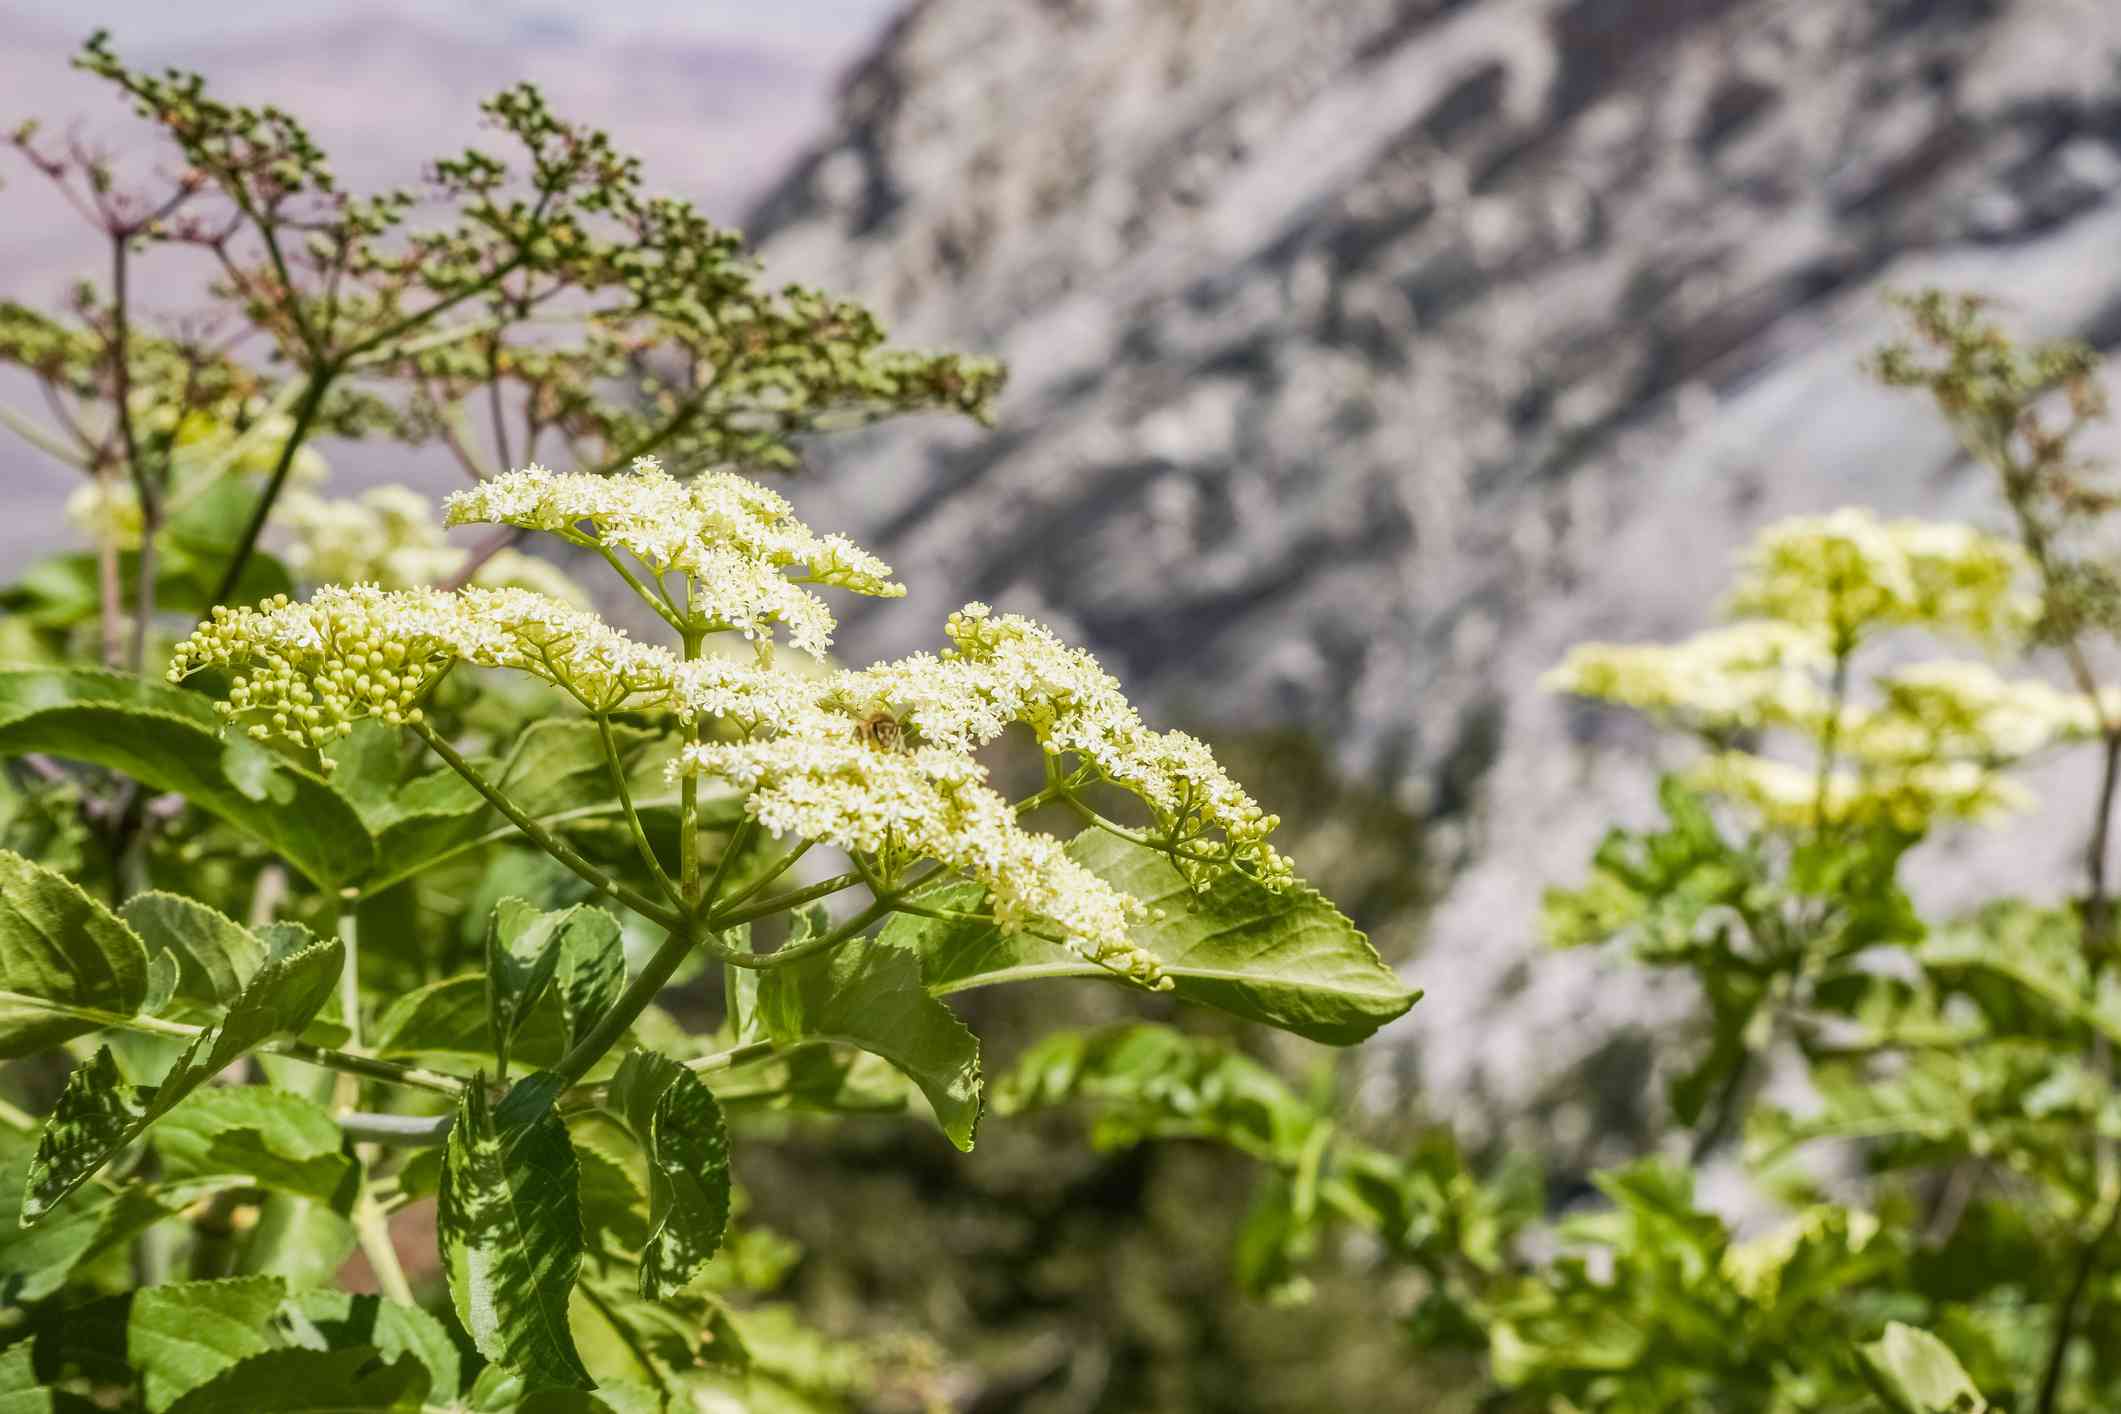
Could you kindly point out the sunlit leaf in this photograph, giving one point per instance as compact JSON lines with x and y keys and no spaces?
{"x":57,"y":944}
{"x":679,"y":1126}
{"x":510,"y":1226}
{"x":869,"y":993}
{"x":99,"y":1113}
{"x":170,"y":740}
{"x":1288,"y":959}
{"x":182,"y":1334}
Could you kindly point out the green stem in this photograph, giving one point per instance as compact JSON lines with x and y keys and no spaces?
{"x":649,"y":597}
{"x":545,"y":839}
{"x":774,"y":871}
{"x":320,"y":380}
{"x":766,"y":962}
{"x":372,"y":1229}
{"x":633,"y":818}
{"x":322,"y":1056}
{"x":780,"y":903}
{"x":348,"y":1090}
{"x":631,"y":1003}
{"x":739,"y":840}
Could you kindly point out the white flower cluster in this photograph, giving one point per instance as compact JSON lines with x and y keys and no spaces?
{"x":388,"y":535}
{"x":1003,"y":670}
{"x":878,"y":762}
{"x":734,"y":537}
{"x":1848,"y":572}
{"x":830,"y":784}
{"x":1744,"y":675}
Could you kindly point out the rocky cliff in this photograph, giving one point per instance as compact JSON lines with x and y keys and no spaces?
{"x":1367,"y":353}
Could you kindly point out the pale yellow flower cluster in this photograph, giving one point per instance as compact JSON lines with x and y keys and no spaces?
{"x":732,"y":536}
{"x":309,"y":670}
{"x":1929,"y":741}
{"x":388,"y":535}
{"x":1909,"y":797}
{"x":828,"y":783}
{"x":1003,"y":670}
{"x":1848,"y":572}
{"x":1965,"y":711}
{"x":1744,"y":675}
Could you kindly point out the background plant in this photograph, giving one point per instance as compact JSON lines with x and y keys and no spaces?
{"x":1934,"y":1180}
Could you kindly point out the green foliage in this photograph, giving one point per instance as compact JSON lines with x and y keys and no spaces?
{"x":1934,"y":1187}
{"x":870,"y":994}
{"x":1287,"y":959}
{"x":509,"y":1222}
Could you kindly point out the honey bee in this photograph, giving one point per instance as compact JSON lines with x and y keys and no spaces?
{"x":880,"y":731}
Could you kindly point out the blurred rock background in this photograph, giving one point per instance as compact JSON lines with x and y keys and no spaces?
{"x":1366,"y":355}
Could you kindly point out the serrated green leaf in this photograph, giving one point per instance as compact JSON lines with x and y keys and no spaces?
{"x":592,"y":972}
{"x":510,"y":1228}
{"x":36,"y":1262}
{"x":1288,"y":959}
{"x":869,"y":993}
{"x":679,"y":1126}
{"x":183,"y":1334}
{"x":99,"y":1114}
{"x":170,"y":740}
{"x":216,"y":955}
{"x":343,"y":1319}
{"x":256,"y":1134}
{"x":57,"y":944}
{"x":1918,"y":1374}
{"x":577,"y":952}
{"x":449,"y":1018}
{"x":522,"y":956}
{"x":614,"y":1204}
{"x":296,"y":1381}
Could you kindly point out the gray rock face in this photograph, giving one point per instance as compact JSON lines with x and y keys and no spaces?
{"x":1368,"y":353}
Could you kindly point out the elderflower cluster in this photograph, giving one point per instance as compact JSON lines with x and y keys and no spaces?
{"x":107,"y":509}
{"x":877,"y":762}
{"x":1849,"y":572}
{"x":735,"y":538}
{"x":827,"y":783}
{"x":1910,"y":798}
{"x":1744,"y":675}
{"x":1964,"y":710}
{"x":308,"y":671}
{"x":387,"y":535}
{"x":1003,"y":670}
{"x":1919,"y":743}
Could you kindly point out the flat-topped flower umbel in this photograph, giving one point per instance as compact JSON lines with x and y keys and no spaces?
{"x":720,"y":554}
